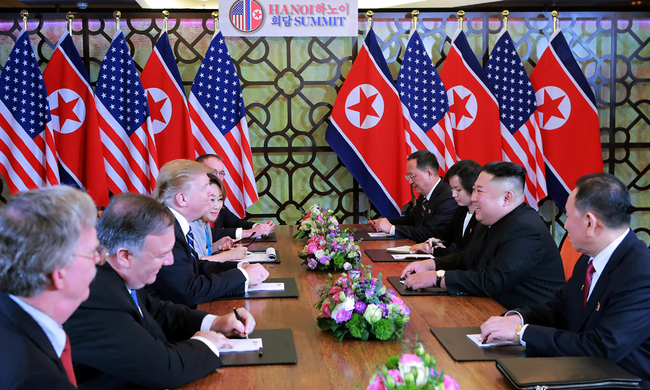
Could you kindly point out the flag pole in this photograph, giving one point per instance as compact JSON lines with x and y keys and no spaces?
{"x":215,"y":17}
{"x":460,"y":14}
{"x":24,"y":14}
{"x":414,"y":14}
{"x":554,"y":14}
{"x":505,"y":14}
{"x":369,"y":15}
{"x":70,"y":17}
{"x":165,"y":14}
{"x":117,"y":15}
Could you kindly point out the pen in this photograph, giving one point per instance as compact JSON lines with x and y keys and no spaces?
{"x":260,"y":352}
{"x":234,"y":309}
{"x":486,"y":337}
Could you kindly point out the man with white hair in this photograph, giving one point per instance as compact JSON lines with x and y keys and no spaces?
{"x":511,"y":257}
{"x":48,"y":253}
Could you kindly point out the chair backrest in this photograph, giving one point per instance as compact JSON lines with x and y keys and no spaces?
{"x":569,"y":256}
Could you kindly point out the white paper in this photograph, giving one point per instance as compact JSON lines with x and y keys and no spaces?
{"x":267,"y":287}
{"x":415,"y":256}
{"x":379,"y":234}
{"x":243,"y":345}
{"x":257,"y":257}
{"x":400,"y":249}
{"x":476,"y":338}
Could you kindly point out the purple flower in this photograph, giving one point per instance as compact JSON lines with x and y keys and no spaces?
{"x":343,"y":315}
{"x":311,"y":263}
{"x":325,"y":259}
{"x":354,"y":274}
{"x":360,"y":308}
{"x":384,"y":309}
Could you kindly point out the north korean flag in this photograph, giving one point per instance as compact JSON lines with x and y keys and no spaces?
{"x":367,"y":130}
{"x":74,"y":121}
{"x":170,"y":118}
{"x":473,"y":109}
{"x":568,"y":119}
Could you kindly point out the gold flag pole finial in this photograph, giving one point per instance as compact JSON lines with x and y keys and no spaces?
{"x":24,"y":14}
{"x":460,"y":14}
{"x":117,"y":15}
{"x":215,"y":17}
{"x":554,"y":14}
{"x":505,"y":14}
{"x":165,"y":14}
{"x":369,"y":16}
{"x":70,"y":18}
{"x":414,"y":14}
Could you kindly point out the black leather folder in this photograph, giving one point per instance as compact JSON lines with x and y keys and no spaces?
{"x":358,"y":235}
{"x":559,"y":373}
{"x":290,"y":291}
{"x":267,"y":238}
{"x":402,"y":290}
{"x":462,"y":349}
{"x":380,"y":255}
{"x":279,"y":348}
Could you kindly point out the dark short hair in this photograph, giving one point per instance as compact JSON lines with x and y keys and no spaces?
{"x":219,"y":183}
{"x":606,"y":196}
{"x":129,"y":219}
{"x":206,"y":156}
{"x":425,"y":160}
{"x":505,"y":170}
{"x":467,"y":172}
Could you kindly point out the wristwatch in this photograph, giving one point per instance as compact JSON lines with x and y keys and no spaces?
{"x":439,"y":275}
{"x":519,"y":328}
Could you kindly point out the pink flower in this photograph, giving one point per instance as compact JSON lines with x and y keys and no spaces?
{"x":311,"y":249}
{"x":335,"y":290}
{"x":410,"y":358}
{"x":450,"y":383}
{"x":325,"y":309}
{"x":397,"y":377}
{"x":396,"y":300}
{"x":378,"y":384}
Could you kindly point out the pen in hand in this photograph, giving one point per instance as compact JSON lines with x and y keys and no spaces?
{"x":486,"y":338}
{"x":234,"y":309}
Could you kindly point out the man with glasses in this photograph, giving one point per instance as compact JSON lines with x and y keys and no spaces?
{"x":123,"y":338}
{"x":227,"y":223}
{"x":48,"y":252}
{"x":434,"y":208}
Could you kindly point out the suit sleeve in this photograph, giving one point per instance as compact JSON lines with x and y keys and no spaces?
{"x":517,"y":254}
{"x":441,"y":213}
{"x":130,"y":352}
{"x":182,"y":284}
{"x":177,"y":321}
{"x":622,"y":321}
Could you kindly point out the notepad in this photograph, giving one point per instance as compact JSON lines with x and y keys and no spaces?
{"x":243,"y":345}
{"x":414,"y":256}
{"x":267,"y":287}
{"x":406,"y":249}
{"x":267,"y":256}
{"x":476,"y":338}
{"x":379,"y":234}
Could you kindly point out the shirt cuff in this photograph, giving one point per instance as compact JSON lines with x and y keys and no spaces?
{"x":243,"y":271}
{"x":392,"y":230}
{"x":206,"y":324}
{"x":521,"y":335}
{"x":207,"y":342}
{"x":523,"y":328}
{"x":238,"y":233}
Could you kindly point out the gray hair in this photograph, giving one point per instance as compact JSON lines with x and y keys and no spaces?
{"x":129,"y":219}
{"x":177,"y":176}
{"x":39,"y":231}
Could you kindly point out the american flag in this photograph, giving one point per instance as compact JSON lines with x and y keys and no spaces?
{"x":424,"y":100}
{"x":27,"y":149}
{"x":238,"y":17}
{"x":520,"y":136}
{"x":129,"y":149}
{"x":219,"y":123}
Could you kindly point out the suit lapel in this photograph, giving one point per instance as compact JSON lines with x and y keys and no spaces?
{"x":180,"y":238}
{"x":603,"y":280}
{"x":147,"y":319}
{"x":432,"y":200}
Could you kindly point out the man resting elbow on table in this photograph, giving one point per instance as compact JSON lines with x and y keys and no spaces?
{"x":121,"y":337}
{"x":604,"y":309}
{"x":511,"y":257}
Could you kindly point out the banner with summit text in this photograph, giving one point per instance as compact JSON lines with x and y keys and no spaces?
{"x":279,"y":18}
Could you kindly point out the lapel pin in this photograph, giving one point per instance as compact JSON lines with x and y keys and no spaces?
{"x":598,"y":306}
{"x":582,"y":288}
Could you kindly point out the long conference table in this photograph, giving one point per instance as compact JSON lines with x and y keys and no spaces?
{"x":323,"y":362}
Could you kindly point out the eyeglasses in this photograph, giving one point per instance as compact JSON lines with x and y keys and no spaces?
{"x":411,"y":177}
{"x":100,"y":252}
{"x":221,"y":174}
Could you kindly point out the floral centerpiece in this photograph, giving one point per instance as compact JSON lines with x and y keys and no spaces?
{"x":414,"y":369}
{"x":317,"y":221}
{"x":335,"y":251}
{"x":361,"y":306}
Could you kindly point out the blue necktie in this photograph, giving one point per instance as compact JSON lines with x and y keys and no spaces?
{"x":207,"y":240}
{"x":135,"y":299}
{"x":190,"y":239}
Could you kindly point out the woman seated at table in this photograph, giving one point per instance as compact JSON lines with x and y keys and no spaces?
{"x":224,"y":249}
{"x":455,"y":237}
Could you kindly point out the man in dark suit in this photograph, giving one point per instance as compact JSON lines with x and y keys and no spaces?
{"x":227,"y":223}
{"x":123,"y":338}
{"x":184,"y":187}
{"x":511,"y":257}
{"x":48,"y":252}
{"x":604,"y":309}
{"x":434,"y":207}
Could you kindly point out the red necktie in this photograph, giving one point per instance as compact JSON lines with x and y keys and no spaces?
{"x":425,"y":203}
{"x":590,"y":274}
{"x":66,"y":359}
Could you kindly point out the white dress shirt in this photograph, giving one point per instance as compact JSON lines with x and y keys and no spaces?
{"x":52,"y":329}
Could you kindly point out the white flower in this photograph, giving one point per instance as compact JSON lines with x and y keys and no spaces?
{"x":319,"y":253}
{"x":348,"y":303}
{"x":373,"y":313}
{"x":420,"y":375}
